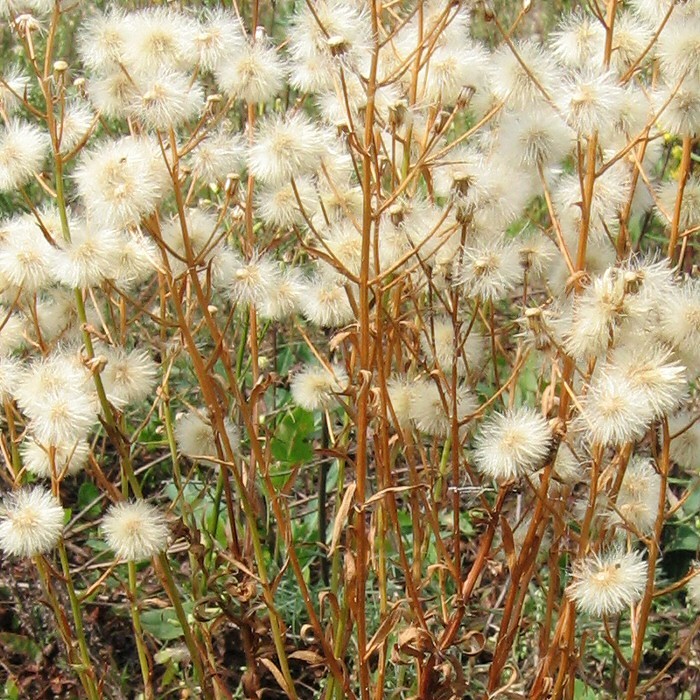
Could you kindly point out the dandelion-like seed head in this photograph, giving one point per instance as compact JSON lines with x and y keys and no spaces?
{"x":401,"y":392}
{"x":129,"y":376}
{"x":511,"y":444}
{"x":23,"y":147}
{"x":135,"y":531}
{"x":254,"y":73}
{"x":694,"y":588}
{"x":590,"y":101}
{"x":638,"y":498}
{"x":31,"y":522}
{"x":431,"y":408}
{"x":685,"y":442}
{"x":489,"y":269}
{"x":326,"y":302}
{"x":606,"y":584}
{"x":314,"y":387}
{"x":219,"y":35}
{"x":285,"y":147}
{"x":613,"y":412}
{"x":121,"y":180}
{"x":196,"y":439}
{"x":681,"y":107}
{"x":653,"y":371}
{"x":54,"y":460}
{"x":577,"y":39}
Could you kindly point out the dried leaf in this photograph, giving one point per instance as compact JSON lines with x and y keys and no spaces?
{"x":508,"y":543}
{"x":416,"y":642}
{"x":383,"y":631}
{"x":311,"y":657}
{"x":341,"y":517}
{"x":277,"y":674}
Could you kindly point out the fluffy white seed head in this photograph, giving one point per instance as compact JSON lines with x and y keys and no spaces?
{"x":78,"y":119}
{"x":13,"y":89}
{"x":438,"y":345}
{"x":638,"y":498}
{"x":135,"y":531}
{"x":535,"y":137}
{"x":56,"y":393}
{"x":590,"y":101}
{"x":204,"y":238}
{"x":54,"y":461}
{"x":431,"y":409}
{"x":451,"y":72}
{"x":401,"y":391}
{"x":489,"y":269}
{"x":23,"y":148}
{"x":679,"y":107}
{"x":10,"y":372}
{"x":89,"y":257}
{"x":285,"y":147}
{"x":31,"y":522}
{"x":578,"y":40}
{"x":694,"y":589}
{"x":326,"y":302}
{"x":613,"y":412}
{"x":112,"y":94}
{"x":653,"y":372}
{"x":513,"y":83}
{"x":138,"y":259}
{"x":27,"y":259}
{"x":157,"y":38}
{"x":610,"y":195}
{"x":278,"y":205}
{"x":512,"y":444}
{"x":630,"y":39}
{"x":129,"y":376}
{"x":219,"y":36}
{"x":336,"y":34}
{"x":606,"y":584}
{"x":681,"y":329}
{"x":167,"y":99}
{"x":64,"y":416}
{"x":196,"y":439}
{"x":254,"y":73}
{"x":122,"y":180}
{"x":101,"y":40}
{"x":684,"y":429}
{"x":678,"y":48}
{"x":314,"y":387}
{"x":252,"y":281}
{"x":284,"y":296}
{"x":666,"y":196}
{"x":217,"y":156}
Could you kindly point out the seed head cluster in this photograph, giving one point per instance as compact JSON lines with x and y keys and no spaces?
{"x":406,"y":241}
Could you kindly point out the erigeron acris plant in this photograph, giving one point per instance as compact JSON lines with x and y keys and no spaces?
{"x":464,"y":266}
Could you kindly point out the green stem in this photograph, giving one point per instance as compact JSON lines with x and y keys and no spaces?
{"x":89,"y":671}
{"x":174,"y":595}
{"x":138,"y":633}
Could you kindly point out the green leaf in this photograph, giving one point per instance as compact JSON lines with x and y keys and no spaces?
{"x":163,"y":624}
{"x":292,"y":443}
{"x":21,"y":645}
{"x":10,"y":691}
{"x":685,"y":538}
{"x":89,"y":493}
{"x":583,"y":692}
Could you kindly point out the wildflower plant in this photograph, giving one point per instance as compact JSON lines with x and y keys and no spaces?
{"x":358,"y":340}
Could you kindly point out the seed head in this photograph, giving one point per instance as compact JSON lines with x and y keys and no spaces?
{"x":606,"y":584}
{"x":511,"y":444}
{"x":31,"y":522}
{"x":135,"y":531}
